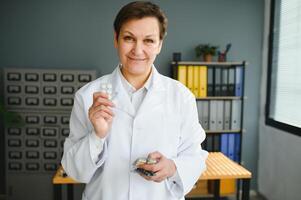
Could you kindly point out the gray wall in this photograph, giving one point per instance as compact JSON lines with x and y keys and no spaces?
{"x":78,"y":34}
{"x":279,"y":162}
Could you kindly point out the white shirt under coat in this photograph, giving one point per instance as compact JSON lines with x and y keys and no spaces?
{"x":165,"y":120}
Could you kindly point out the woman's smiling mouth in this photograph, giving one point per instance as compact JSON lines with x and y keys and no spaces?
{"x":137,"y":59}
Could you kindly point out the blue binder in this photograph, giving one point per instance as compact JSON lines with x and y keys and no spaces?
{"x":224,"y":144}
{"x":231,"y":146}
{"x":237,"y":147}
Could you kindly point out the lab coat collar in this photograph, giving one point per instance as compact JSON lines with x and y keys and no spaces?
{"x":156,"y":82}
{"x":153,"y":97}
{"x":131,"y":89}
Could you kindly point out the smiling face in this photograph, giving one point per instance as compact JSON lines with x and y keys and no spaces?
{"x":138,"y":44}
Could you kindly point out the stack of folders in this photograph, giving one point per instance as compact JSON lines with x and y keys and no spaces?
{"x":208,"y":81}
{"x":222,"y":116}
{"x":217,"y":115}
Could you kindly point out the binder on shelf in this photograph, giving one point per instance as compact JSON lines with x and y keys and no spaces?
{"x":216,"y":143}
{"x":224,"y":82}
{"x":237,"y":142}
{"x":210,"y":81}
{"x":227,"y":114}
{"x":190,"y":78}
{"x":231,"y":82}
{"x":227,"y":186}
{"x":205,"y":115}
{"x":196,"y":76}
{"x":217,"y":81}
{"x":212,"y":115}
{"x":209,"y":146}
{"x":236,"y":115}
{"x":238,"y":80}
{"x":219,"y":115}
{"x":224,"y":144}
{"x":182,"y":74}
{"x":199,"y":105}
{"x":202,"y":81}
{"x":231,"y":146}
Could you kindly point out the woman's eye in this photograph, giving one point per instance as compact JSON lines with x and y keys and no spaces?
{"x":128,"y":38}
{"x":149,"y":41}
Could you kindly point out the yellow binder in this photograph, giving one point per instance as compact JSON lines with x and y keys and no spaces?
{"x":196,"y":85}
{"x":190,"y":78}
{"x":182,"y":74}
{"x":203,"y":81}
{"x":227,"y":186}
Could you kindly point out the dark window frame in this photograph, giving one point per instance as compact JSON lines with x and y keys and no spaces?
{"x":268,"y":120}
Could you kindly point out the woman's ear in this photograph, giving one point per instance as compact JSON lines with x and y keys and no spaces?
{"x":160,"y":46}
{"x":115,"y":40}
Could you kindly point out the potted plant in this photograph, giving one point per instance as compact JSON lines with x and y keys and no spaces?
{"x":206,"y":50}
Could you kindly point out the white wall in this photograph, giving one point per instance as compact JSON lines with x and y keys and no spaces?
{"x":279,"y":165}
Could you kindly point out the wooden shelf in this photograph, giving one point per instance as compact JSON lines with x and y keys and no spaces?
{"x":220,"y":64}
{"x":219,"y":98}
{"x":223,"y":131}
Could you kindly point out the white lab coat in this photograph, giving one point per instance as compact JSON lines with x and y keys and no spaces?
{"x":167,"y":121}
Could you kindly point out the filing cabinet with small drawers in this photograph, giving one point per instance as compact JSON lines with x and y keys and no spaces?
{"x":44,"y":99}
{"x":46,"y":89}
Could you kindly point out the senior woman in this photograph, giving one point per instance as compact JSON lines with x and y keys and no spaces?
{"x":140,"y":114}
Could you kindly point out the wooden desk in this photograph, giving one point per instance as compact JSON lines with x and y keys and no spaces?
{"x":218,"y":167}
{"x":58,"y":181}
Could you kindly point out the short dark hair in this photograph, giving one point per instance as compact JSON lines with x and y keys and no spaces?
{"x":139,"y":10}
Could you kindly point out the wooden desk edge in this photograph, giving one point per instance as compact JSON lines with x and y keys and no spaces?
{"x":225,"y":177}
{"x":59,"y":179}
{"x":245,"y":175}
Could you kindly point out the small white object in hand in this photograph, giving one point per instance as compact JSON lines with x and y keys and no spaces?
{"x":107,"y":88}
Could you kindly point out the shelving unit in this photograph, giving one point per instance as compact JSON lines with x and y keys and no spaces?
{"x":219,"y":91}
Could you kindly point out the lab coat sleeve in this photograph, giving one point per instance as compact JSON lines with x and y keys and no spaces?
{"x":79,"y":160}
{"x":190,"y":160}
{"x":96,"y":146}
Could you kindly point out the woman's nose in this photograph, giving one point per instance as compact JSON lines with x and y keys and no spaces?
{"x":138,"y":48}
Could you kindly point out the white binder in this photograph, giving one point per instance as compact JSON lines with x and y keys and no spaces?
{"x":213,"y":115}
{"x":235,"y":115}
{"x":205,"y":115}
{"x":199,"y":105}
{"x":219,"y":115}
{"x":227,"y":114}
